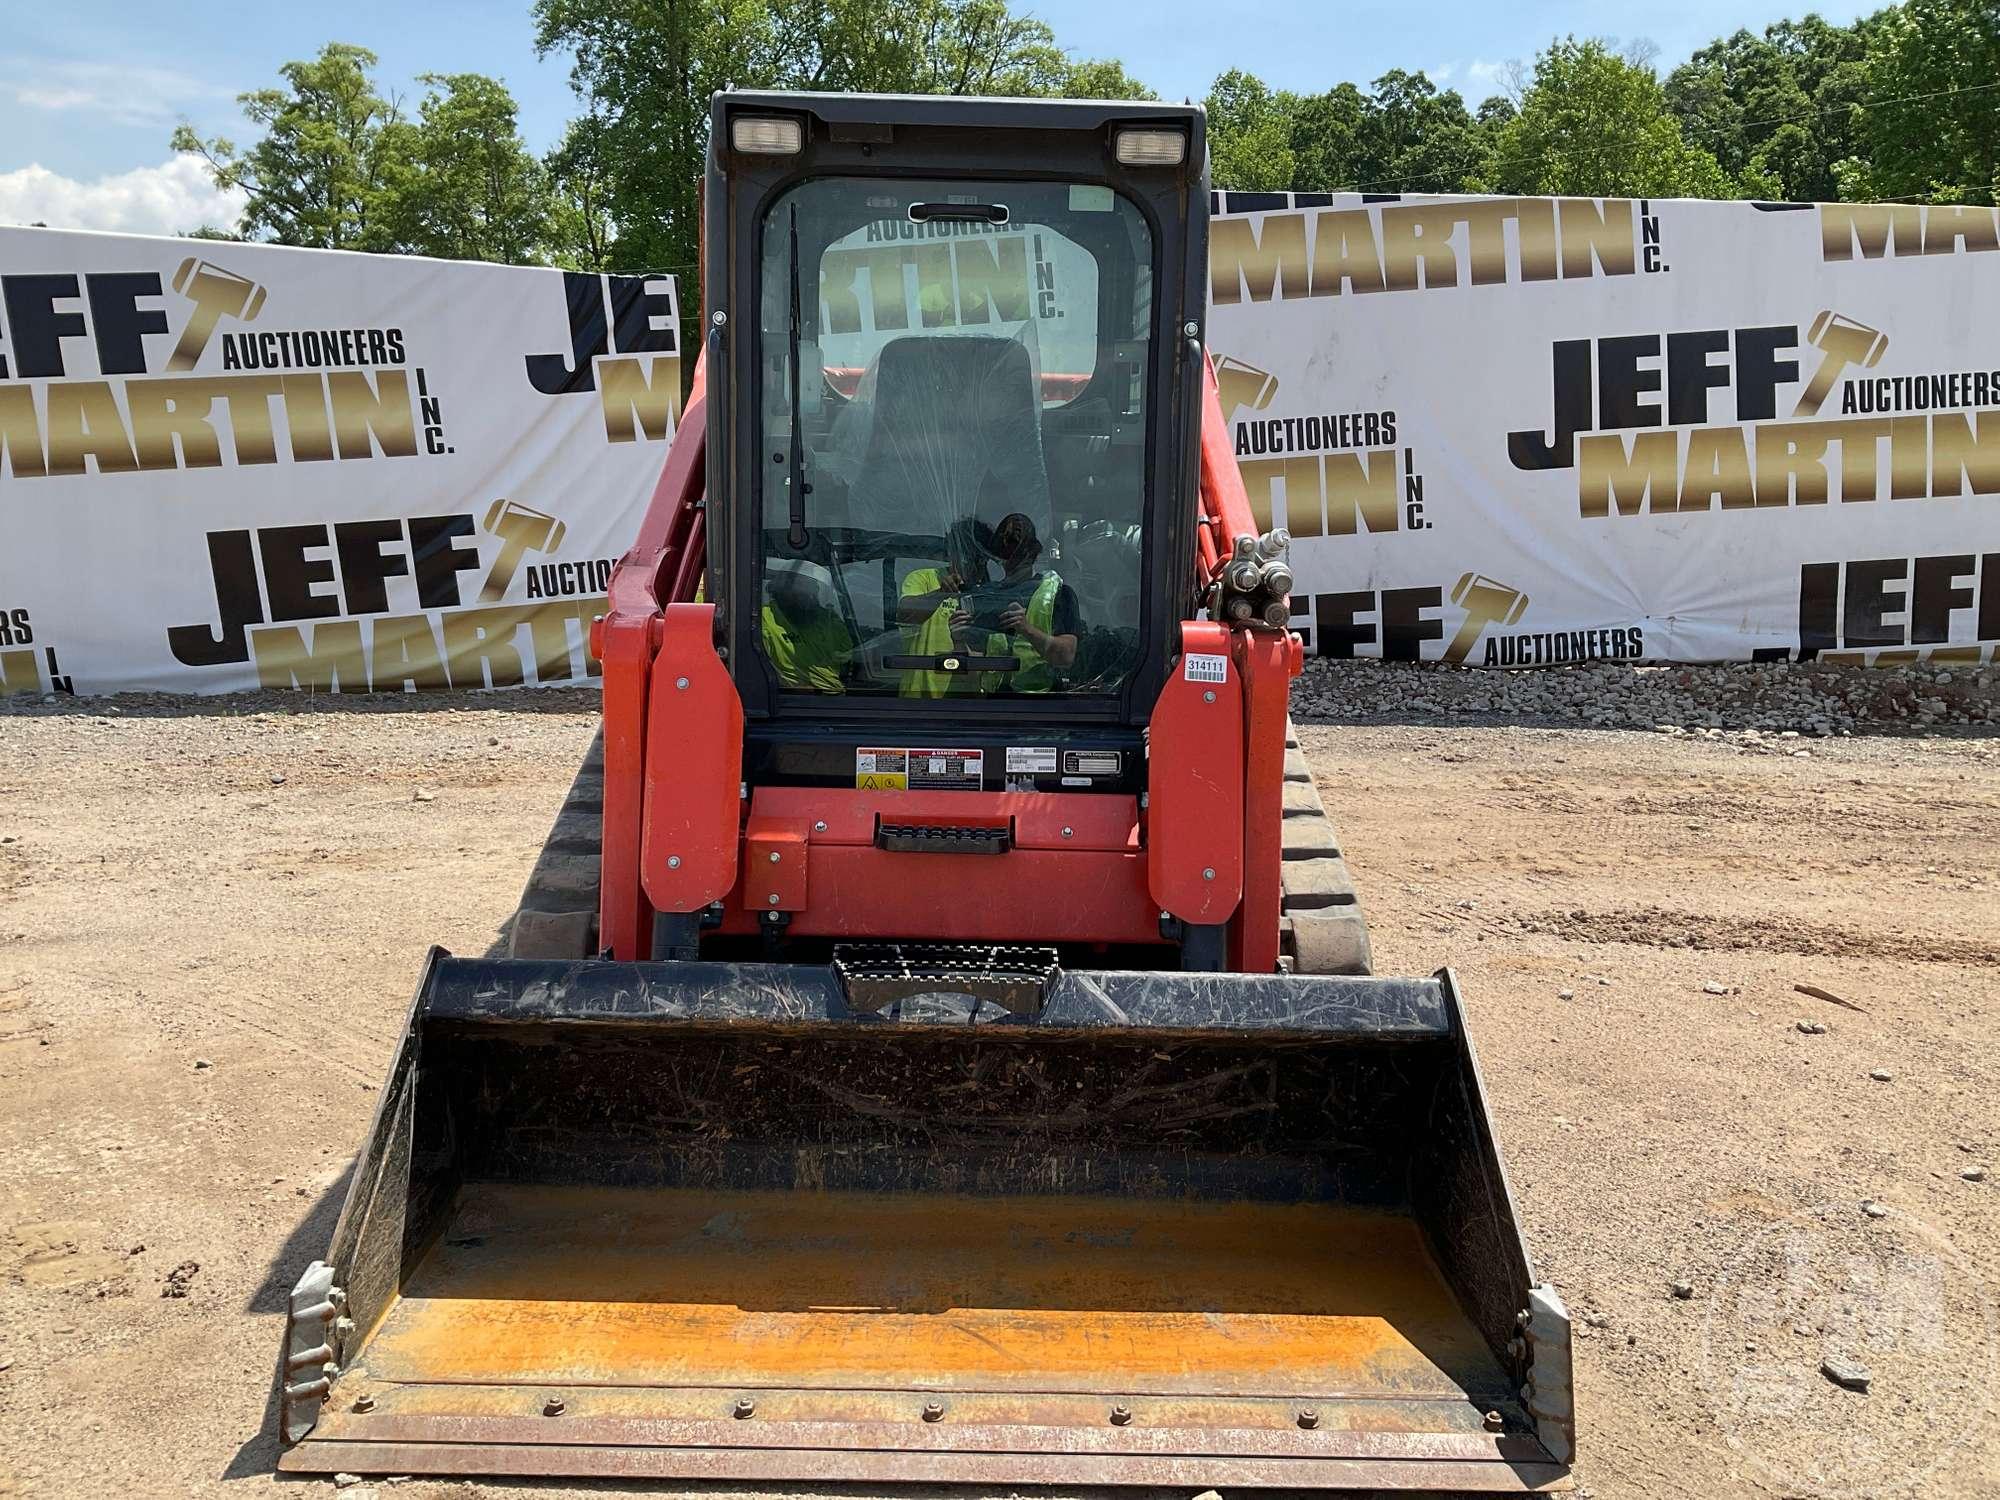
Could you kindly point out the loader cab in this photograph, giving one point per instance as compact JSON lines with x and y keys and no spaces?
{"x":954,"y":411}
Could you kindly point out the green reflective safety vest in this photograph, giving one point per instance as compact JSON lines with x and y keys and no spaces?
{"x":933,"y":638}
{"x":808,"y":652}
{"x":1035,"y":675}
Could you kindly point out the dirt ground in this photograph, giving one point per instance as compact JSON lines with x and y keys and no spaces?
{"x":212,"y":915}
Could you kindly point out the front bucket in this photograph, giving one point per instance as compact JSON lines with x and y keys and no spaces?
{"x":703,"y":1221}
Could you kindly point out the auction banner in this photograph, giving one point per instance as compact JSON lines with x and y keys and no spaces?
{"x":1527,"y":431}
{"x":231,"y":466}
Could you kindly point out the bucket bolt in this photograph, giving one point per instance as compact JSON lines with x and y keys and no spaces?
{"x":1120,"y":1415}
{"x":745,"y":1408}
{"x":553,"y":1407}
{"x":1308,"y":1417}
{"x":364,"y":1402}
{"x":933,"y":1411}
{"x":1495,"y":1422}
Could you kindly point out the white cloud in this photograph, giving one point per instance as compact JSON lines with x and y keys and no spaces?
{"x":123,"y":93}
{"x":172,"y":198}
{"x":1485,"y":73}
{"x":1441,"y":74}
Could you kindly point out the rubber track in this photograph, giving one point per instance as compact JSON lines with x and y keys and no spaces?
{"x":1321,"y":928}
{"x":557,"y":914}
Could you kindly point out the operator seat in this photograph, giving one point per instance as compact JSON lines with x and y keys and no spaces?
{"x":945,"y":427}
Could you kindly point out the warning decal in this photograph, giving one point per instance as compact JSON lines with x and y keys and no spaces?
{"x":947,"y":770}
{"x":881,"y":770}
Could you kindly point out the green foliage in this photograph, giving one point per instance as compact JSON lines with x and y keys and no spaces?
{"x":1934,"y":128}
{"x":1777,"y":111}
{"x":1420,"y":139}
{"x":318,"y":175}
{"x":341,"y":167}
{"x":1249,"y":135}
{"x":464,"y":186}
{"x":1593,"y":123}
{"x":1901,"y":104}
{"x":1402,"y":135}
{"x":581,"y":229}
{"x":1327,"y":131}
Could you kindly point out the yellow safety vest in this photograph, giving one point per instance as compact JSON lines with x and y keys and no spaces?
{"x":807,"y":653}
{"x":933,"y":638}
{"x":1035,"y":674}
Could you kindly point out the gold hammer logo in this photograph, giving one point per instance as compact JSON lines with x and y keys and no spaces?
{"x":216,"y":294}
{"x":521,"y":530}
{"x":1485,"y":602}
{"x":1239,"y":384}
{"x":1841,"y":342}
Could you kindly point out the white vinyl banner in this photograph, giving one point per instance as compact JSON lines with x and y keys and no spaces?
{"x":229,"y":466}
{"x":1504,"y":432}
{"x":1515,"y":432}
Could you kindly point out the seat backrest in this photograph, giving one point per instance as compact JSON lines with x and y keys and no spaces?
{"x":950,"y":427}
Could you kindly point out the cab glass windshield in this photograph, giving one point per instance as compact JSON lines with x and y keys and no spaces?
{"x":952,"y":411}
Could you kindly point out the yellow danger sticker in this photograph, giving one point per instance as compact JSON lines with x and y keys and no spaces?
{"x":881,"y":770}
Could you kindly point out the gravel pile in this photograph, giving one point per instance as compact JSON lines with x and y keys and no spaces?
{"x":1782,"y":698}
{"x":1773,"y":697}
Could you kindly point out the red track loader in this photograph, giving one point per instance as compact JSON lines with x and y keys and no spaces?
{"x":937,"y":1044}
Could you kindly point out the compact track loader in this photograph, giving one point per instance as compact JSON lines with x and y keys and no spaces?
{"x":936,"y":1045}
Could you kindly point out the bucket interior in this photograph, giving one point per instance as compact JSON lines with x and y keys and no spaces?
{"x":966,"y":1239}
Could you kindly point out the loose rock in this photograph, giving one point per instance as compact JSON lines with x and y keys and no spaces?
{"x":201,"y":1064}
{"x":1750,"y":708}
{"x":1974,"y":1174}
{"x":424,"y":794}
{"x":1848,"y":1374}
{"x":1812,"y":1028}
{"x":1880,"y":1075}
{"x":1712,"y":988}
{"x":1683,"y":1291}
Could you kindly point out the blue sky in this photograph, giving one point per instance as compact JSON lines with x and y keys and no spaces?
{"x":90,"y":90}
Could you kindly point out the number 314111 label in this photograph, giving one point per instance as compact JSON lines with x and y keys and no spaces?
{"x":1200,"y":668}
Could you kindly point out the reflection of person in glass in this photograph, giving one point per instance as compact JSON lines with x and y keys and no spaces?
{"x":1040,"y":628}
{"x":1102,"y":563}
{"x":808,"y":644}
{"x":929,"y":609}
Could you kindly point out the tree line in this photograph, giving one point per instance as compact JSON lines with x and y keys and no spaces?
{"x":1903,"y":104}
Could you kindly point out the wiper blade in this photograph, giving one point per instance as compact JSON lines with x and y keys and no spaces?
{"x":796,"y":511}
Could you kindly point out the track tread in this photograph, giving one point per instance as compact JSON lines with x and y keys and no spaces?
{"x":1321,"y":929}
{"x":557,"y":913}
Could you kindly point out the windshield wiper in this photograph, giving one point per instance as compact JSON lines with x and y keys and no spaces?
{"x":797,"y":486}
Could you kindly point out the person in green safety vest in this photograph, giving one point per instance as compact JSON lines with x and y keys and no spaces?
{"x":1041,"y":631}
{"x":1032,"y":617}
{"x":930,"y":612}
{"x":809,"y":646}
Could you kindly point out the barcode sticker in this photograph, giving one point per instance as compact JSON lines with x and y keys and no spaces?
{"x":1206,"y":668}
